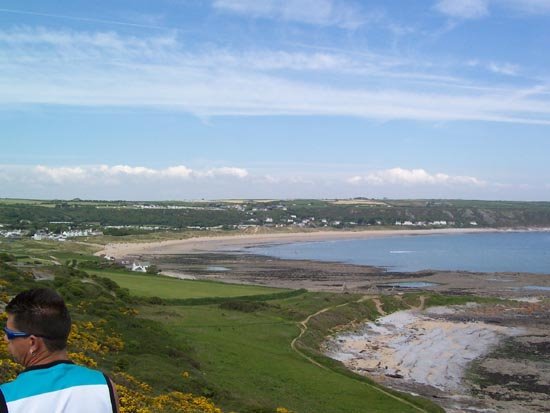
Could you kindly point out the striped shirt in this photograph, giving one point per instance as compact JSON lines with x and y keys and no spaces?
{"x":59,"y":387}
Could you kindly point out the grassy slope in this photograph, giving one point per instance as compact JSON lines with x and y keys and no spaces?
{"x":249,"y":356}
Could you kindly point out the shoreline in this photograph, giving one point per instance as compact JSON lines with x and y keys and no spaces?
{"x":231,"y":242}
{"x":194,"y":258}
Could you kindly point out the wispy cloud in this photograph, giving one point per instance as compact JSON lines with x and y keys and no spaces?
{"x":475,"y":9}
{"x":501,"y":68}
{"x":527,"y":6}
{"x":318,"y":12}
{"x":401,"y":176}
{"x":41,"y":66}
{"x":145,"y":22}
{"x":464,"y":9}
{"x":505,"y":69}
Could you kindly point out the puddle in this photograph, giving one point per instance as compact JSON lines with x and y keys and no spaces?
{"x":535,"y":288}
{"x":216,"y":268}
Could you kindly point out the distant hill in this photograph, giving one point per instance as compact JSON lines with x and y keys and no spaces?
{"x":348,"y":213}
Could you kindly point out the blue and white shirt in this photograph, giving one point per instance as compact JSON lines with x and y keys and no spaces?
{"x":59,"y":387}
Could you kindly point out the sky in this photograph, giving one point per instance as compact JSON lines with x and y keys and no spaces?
{"x":215,"y":99}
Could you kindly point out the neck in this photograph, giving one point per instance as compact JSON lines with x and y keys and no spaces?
{"x":47,"y":357}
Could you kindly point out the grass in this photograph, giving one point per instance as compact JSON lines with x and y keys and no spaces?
{"x":248,"y":355}
{"x":144,"y":285}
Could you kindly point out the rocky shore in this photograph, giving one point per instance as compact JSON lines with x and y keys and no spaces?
{"x":458,"y":355}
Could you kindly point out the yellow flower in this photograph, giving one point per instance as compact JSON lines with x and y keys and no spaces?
{"x":282,"y":410}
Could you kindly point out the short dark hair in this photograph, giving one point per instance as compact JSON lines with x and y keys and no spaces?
{"x":42,"y":312}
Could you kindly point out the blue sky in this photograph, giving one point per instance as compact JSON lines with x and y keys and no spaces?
{"x":191,"y":99}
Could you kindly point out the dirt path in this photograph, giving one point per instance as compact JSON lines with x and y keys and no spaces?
{"x":303,"y":325}
{"x":379,"y":306}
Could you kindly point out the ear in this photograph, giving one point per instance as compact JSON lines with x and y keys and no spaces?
{"x":33,"y":344}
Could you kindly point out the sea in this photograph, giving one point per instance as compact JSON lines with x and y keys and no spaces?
{"x":510,"y":251}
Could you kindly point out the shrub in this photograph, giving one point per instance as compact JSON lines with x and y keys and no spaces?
{"x":244,"y":306}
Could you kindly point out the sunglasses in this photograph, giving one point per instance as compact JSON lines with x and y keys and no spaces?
{"x":11,"y":334}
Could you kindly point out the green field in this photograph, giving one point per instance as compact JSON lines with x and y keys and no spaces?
{"x":144,"y":285}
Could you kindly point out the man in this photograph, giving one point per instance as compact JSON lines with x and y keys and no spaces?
{"x":36,"y":331}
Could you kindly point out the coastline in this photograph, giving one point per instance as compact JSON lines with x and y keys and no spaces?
{"x":451,"y":343}
{"x":232,"y":242}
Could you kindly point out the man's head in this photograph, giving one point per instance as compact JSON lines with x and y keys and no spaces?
{"x":42,"y":313}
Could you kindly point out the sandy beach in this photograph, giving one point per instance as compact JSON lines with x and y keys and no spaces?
{"x":234,"y":242}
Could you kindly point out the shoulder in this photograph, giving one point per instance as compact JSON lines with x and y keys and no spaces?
{"x":85,"y":373}
{"x":7,"y":387}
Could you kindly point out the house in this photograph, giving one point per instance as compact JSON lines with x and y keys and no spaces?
{"x":40,"y":235}
{"x":139,"y":267}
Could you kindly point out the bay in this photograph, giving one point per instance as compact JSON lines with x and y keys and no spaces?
{"x":482,"y":252}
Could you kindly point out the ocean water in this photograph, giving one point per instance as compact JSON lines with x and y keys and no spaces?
{"x":485,"y":252}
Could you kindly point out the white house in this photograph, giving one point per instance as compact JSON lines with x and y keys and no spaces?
{"x":138,"y":267}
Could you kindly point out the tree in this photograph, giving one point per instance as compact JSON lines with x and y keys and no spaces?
{"x":152,"y":269}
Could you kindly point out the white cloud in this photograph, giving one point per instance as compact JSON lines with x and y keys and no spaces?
{"x":125,"y":170}
{"x":236,"y":172}
{"x":181,"y":182}
{"x":106,"y":69}
{"x":401,"y":176}
{"x":178,"y":171}
{"x":60,"y":175}
{"x":116,"y":174}
{"x":318,"y":12}
{"x":464,"y":9}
